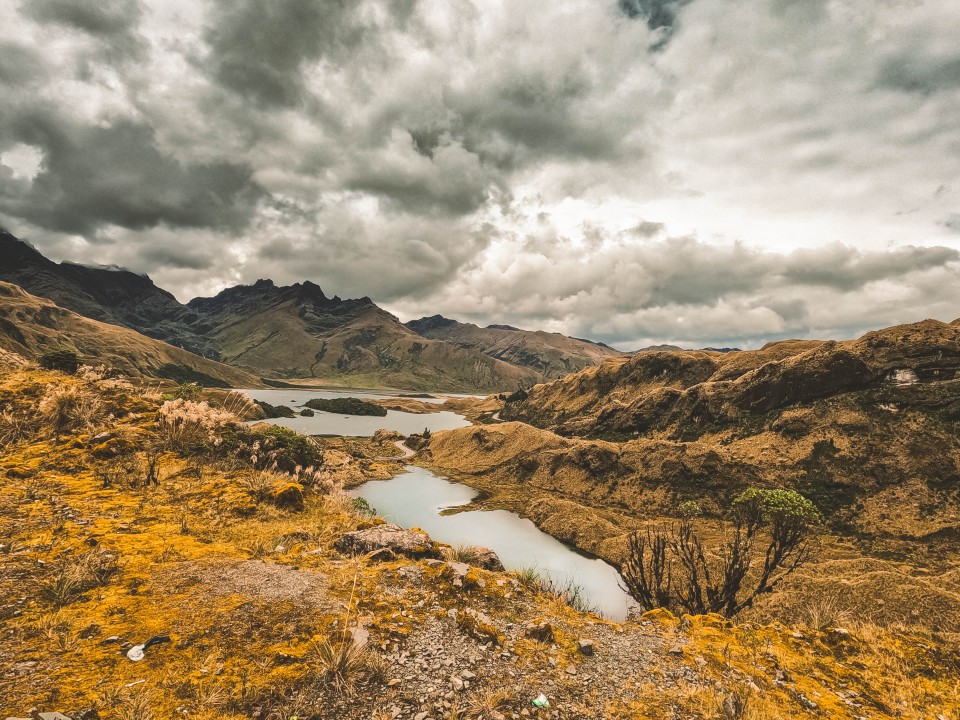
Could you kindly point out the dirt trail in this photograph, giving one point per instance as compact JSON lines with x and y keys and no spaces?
{"x":407,"y":452}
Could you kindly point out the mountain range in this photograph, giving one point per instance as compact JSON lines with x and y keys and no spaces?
{"x":297,"y":332}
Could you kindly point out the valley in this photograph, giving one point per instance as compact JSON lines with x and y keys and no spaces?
{"x":580,"y":451}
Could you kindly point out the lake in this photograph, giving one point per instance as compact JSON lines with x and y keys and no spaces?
{"x":324,"y":423}
{"x":417,"y":497}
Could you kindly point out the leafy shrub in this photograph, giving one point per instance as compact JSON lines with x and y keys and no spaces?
{"x":273,"y":447}
{"x":668,"y":565}
{"x":63,"y":360}
{"x":517,"y":396}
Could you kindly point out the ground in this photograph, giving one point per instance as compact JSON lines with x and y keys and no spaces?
{"x":267,"y":620}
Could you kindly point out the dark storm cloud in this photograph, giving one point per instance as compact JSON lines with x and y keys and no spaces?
{"x":97,"y":17}
{"x":20,"y":64}
{"x":657,"y":13}
{"x":625,"y":170}
{"x":94,"y":175}
{"x":450,"y":179}
{"x":910,"y":73}
{"x":112,"y":22}
{"x":258,"y":49}
{"x":844,"y":268}
{"x":173,"y":256}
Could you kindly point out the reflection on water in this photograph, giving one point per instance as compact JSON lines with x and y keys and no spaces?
{"x":415,"y":499}
{"x":324,"y":423}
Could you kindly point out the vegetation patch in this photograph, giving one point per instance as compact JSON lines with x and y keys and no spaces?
{"x":347,"y":406}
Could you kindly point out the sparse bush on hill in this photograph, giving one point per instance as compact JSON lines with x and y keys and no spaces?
{"x":68,"y":408}
{"x":668,"y":565}
{"x":63,"y":360}
{"x":186,"y":426}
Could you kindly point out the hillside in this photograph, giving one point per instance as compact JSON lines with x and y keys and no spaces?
{"x":280,"y":332}
{"x":869,"y":429}
{"x":222,"y":589}
{"x":30,"y":326}
{"x":110,"y":295}
{"x":551,"y":355}
{"x":695,"y":390}
{"x":297,"y":332}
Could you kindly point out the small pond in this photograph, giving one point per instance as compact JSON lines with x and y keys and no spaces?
{"x":324,"y":423}
{"x":417,"y":497}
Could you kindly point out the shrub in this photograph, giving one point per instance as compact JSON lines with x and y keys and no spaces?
{"x":668,"y":566}
{"x":277,"y":448}
{"x":518,"y":396}
{"x":68,"y":408}
{"x":63,"y":360}
{"x":15,"y":425}
{"x":186,"y":426}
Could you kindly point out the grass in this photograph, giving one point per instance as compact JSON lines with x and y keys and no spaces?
{"x":567,"y":591}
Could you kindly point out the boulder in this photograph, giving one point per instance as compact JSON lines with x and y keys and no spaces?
{"x":287,"y":496}
{"x":487,"y":559}
{"x":388,"y":538}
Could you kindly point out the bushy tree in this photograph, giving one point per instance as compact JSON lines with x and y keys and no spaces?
{"x":767,"y":538}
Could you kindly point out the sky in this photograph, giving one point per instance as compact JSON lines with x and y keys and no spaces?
{"x":697,"y":172}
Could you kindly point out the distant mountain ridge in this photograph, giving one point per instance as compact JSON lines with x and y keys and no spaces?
{"x":297,"y":332}
{"x":551,"y":355}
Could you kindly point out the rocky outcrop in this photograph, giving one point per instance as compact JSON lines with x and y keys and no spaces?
{"x":390,"y":539}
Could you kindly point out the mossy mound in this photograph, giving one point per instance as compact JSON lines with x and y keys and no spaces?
{"x":347,"y":406}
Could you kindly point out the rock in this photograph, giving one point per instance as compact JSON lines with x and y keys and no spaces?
{"x":456,"y":682}
{"x":462,"y":575}
{"x":540,"y":631}
{"x":360,"y":636}
{"x":411,"y":572}
{"x":391,"y":538}
{"x":676,"y":650}
{"x":487,"y":559}
{"x":307,"y":412}
{"x":571,"y":670}
{"x":585,"y":647}
{"x":287,"y":496}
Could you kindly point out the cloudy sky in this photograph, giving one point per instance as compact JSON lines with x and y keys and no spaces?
{"x":638,"y":171}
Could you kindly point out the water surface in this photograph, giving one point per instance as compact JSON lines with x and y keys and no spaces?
{"x":324,"y":423}
{"x":416,"y":498}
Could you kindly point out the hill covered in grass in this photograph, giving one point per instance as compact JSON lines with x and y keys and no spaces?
{"x":31,"y":326}
{"x":130,"y":523}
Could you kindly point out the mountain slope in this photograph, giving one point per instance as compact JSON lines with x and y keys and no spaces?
{"x":30,"y":326}
{"x":288,"y":332}
{"x":551,"y":355}
{"x":110,"y":295}
{"x":298,"y":332}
